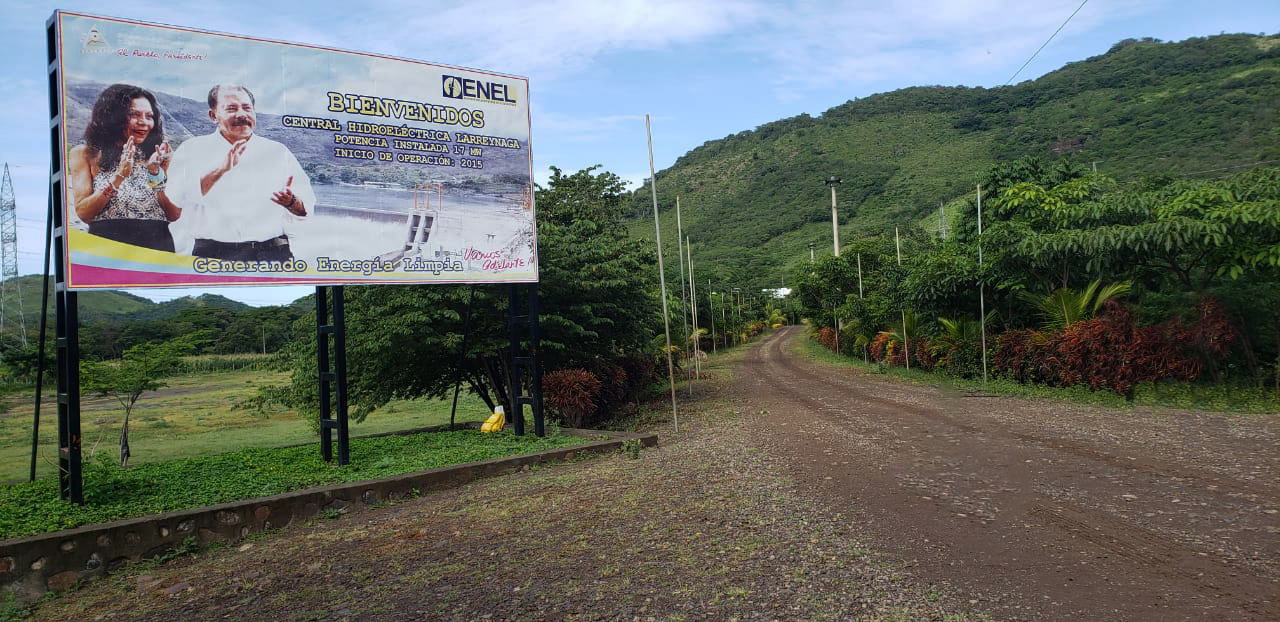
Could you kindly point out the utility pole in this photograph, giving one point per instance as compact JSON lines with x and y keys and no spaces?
{"x":684,"y":304}
{"x":835,"y":220}
{"x":859,"y":276}
{"x":832,"y":182}
{"x":712,"y":301}
{"x":737,"y":307}
{"x":906,"y":341}
{"x":693,"y":300}
{"x":662,"y":279}
{"x":982,"y":291}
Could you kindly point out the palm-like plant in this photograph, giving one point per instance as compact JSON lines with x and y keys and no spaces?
{"x":907,"y":328}
{"x":1066,"y":306}
{"x":964,"y":329}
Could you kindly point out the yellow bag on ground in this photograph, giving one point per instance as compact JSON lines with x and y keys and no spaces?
{"x":495,"y":422}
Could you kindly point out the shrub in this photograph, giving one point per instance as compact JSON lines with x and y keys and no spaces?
{"x":922,"y":354}
{"x":880,"y":347}
{"x":639,"y":371}
{"x":613,"y":386}
{"x":898,"y":353}
{"x":957,"y":358}
{"x":1020,"y":355}
{"x":1110,"y":352}
{"x":571,"y":395}
{"x":827,"y":337}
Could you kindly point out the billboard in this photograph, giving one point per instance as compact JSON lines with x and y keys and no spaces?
{"x":195,"y":158}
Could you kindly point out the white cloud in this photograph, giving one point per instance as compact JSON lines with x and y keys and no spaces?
{"x":550,"y":39}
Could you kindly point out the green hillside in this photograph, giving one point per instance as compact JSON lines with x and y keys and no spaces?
{"x":752,"y":202}
{"x":111,"y":305}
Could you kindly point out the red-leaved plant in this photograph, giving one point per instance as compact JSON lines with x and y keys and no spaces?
{"x":571,"y":395}
{"x":827,"y":337}
{"x":1109,"y":352}
{"x":879,"y":346}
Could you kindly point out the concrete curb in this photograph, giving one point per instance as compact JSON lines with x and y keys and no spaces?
{"x":32,"y":565}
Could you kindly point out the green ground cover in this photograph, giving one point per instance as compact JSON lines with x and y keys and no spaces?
{"x":112,"y":493}
{"x":194,"y":415}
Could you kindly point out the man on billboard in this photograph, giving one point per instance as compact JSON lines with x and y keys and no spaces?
{"x":246,"y":190}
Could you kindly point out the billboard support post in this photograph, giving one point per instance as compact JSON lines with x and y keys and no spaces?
{"x":333,"y":381}
{"x":67,"y":344}
{"x":529,"y":363}
{"x":70,"y":459}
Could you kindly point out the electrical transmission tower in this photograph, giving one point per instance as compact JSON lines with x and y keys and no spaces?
{"x":10,"y":293}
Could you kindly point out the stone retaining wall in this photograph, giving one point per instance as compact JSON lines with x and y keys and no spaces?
{"x":32,"y":565}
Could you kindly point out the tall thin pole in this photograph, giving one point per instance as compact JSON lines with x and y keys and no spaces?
{"x":724,"y":318}
{"x":864,"y":347}
{"x":835,"y":226}
{"x":859,"y":276}
{"x":684,"y":305}
{"x":462,"y":357}
{"x":712,"y":302}
{"x":906,"y":340}
{"x":835,"y":240}
{"x":662,"y":279}
{"x":693,"y":299}
{"x":737,"y":308}
{"x":982,"y":292}
{"x":44,"y":326}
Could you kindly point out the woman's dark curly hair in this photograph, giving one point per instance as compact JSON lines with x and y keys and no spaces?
{"x":110,"y":118}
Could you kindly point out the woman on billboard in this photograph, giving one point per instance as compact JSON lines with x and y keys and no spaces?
{"x":118,"y":175}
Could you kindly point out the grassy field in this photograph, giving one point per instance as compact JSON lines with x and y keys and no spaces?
{"x":112,"y":493}
{"x":193,"y":416}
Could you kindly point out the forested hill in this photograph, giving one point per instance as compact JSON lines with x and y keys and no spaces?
{"x":752,"y":202}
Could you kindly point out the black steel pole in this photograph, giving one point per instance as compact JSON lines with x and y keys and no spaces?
{"x":516,"y":414}
{"x":462,"y":355}
{"x":535,"y":337}
{"x":340,"y":370}
{"x":322,"y":363}
{"x":44,"y":325}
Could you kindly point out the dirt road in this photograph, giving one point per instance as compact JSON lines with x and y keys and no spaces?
{"x":1035,"y":509}
{"x":793,"y":491}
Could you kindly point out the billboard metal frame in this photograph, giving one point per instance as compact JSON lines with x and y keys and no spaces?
{"x":66,"y":307}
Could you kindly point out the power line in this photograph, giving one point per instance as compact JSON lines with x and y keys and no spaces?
{"x":1230,"y":168}
{"x":1055,"y":33}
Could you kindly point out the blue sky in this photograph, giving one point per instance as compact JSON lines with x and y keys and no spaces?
{"x":702,"y":69}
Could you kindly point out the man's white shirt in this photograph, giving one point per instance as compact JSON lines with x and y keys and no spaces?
{"x":238,"y":208}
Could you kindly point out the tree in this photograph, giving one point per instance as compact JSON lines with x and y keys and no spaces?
{"x":143,"y":368}
{"x":596,"y":302}
{"x":1191,"y":232}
